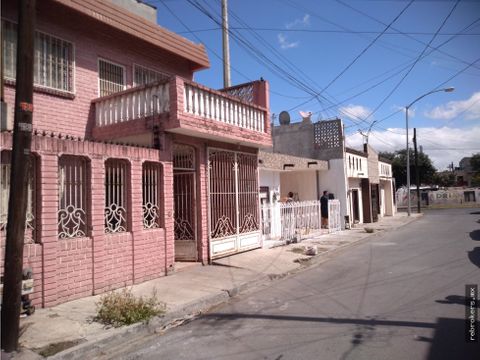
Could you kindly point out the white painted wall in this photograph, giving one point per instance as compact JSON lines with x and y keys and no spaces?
{"x":272,"y":180}
{"x":302,"y":183}
{"x":356,"y":166}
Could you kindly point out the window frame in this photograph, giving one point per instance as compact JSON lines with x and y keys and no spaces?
{"x":73,"y":216}
{"x":40,"y":87}
{"x":135,"y":66}
{"x":115,"y":213}
{"x":124,"y":72}
{"x":149,"y":211}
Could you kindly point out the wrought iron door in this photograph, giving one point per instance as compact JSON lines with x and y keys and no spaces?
{"x":233,"y":202}
{"x":185,"y":203}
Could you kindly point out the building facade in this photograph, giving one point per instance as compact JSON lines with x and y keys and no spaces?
{"x":358,"y":179}
{"x":134,"y":165}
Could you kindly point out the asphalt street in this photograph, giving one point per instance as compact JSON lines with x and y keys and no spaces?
{"x":400,"y":295}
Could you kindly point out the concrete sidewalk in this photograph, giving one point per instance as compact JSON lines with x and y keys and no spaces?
{"x":69,"y":330}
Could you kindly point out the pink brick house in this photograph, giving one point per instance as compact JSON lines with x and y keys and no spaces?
{"x":135,"y":166}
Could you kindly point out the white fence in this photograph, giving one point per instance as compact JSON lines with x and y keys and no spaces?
{"x":291,"y":221}
{"x":334,"y":218}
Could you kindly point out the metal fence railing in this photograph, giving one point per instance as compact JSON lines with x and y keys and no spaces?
{"x":294,"y":221}
{"x":291,"y":221}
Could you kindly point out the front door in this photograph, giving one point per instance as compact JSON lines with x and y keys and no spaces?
{"x":184,"y":194}
{"x":375,"y":202}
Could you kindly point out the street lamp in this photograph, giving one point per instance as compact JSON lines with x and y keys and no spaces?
{"x":449,"y":89}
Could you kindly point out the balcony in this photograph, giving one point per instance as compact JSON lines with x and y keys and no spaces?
{"x":236,"y":115}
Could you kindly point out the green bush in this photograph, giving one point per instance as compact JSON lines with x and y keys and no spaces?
{"x":118,"y":308}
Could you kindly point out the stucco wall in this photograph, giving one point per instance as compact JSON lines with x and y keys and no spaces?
{"x":301,"y":183}
{"x":334,"y":181}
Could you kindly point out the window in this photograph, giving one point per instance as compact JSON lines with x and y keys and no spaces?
{"x":360,"y":164}
{"x":53,"y":62}
{"x":151,"y":195}
{"x":115,"y":196}
{"x":111,"y":77}
{"x":143,"y":76}
{"x":349,"y":162}
{"x":356,"y":161}
{"x":5,"y":171}
{"x":72,"y":197}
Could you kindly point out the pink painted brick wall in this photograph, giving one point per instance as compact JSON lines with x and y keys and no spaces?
{"x":91,"y":41}
{"x":67,"y":269}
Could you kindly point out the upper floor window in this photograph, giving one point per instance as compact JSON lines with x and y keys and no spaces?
{"x":53,"y":59}
{"x":111,"y":77}
{"x":72,"y":187}
{"x":143,"y":76}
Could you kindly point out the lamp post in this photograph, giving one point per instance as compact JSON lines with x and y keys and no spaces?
{"x":449,"y":89}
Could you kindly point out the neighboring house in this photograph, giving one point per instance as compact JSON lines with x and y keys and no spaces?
{"x":283,"y":217}
{"x":281,"y":173}
{"x":361,"y":182}
{"x":464,"y":173}
{"x":134,"y":165}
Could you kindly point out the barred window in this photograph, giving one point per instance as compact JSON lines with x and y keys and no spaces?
{"x":72,"y":187}
{"x":115,"y":196}
{"x":53,"y":61}
{"x":5,"y":171}
{"x":111,"y":77}
{"x":151,"y":186}
{"x":143,"y":76}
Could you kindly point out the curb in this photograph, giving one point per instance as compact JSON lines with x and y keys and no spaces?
{"x":92,"y":347}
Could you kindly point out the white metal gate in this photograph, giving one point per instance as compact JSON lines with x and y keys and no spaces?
{"x":334,"y":217}
{"x":233,"y":202}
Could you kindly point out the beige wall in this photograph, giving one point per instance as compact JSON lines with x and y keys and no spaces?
{"x":303,"y":183}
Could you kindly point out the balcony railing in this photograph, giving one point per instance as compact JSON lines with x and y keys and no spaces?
{"x":131,"y":104}
{"x":190,"y":99}
{"x":215,"y":105}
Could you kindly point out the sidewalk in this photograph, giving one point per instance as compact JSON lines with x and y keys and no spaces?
{"x":68,"y":329}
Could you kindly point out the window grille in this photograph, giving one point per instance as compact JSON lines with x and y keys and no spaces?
{"x":143,"y":76}
{"x":111,"y":77}
{"x":53,"y":59}
{"x":5,"y":171}
{"x":151,"y":177}
{"x":72,"y":210}
{"x":115,"y":196}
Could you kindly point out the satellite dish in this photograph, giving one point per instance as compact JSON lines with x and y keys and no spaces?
{"x":306,"y":116}
{"x":284,"y":118}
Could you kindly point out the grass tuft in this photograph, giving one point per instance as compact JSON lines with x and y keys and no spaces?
{"x":118,"y":308}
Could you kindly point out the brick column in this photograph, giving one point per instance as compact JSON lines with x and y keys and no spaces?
{"x":135,"y":200}
{"x":168,"y":213}
{"x":97,"y":212}
{"x":48,"y":171}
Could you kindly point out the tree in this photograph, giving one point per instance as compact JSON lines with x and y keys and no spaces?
{"x":399,"y":167}
{"x":444,"y":179}
{"x":475,"y":164}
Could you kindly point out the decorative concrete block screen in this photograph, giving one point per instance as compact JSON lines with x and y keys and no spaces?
{"x":328,"y":134}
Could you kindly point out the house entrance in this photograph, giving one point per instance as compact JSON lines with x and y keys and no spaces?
{"x":184,"y":194}
{"x":355,"y":206}
{"x":233,"y":202}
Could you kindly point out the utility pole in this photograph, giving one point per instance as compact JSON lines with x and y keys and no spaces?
{"x":226,"y":46}
{"x":17,"y":204}
{"x":417,"y":173}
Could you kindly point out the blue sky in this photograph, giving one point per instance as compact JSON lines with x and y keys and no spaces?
{"x":347,"y":59}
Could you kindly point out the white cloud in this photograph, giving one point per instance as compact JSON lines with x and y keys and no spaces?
{"x":411,"y":111}
{"x":443,"y":145}
{"x":469,"y":109}
{"x":304,"y":22}
{"x":285,"y":44}
{"x":355,"y":112}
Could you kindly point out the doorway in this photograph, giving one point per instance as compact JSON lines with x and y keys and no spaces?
{"x":355,"y":206}
{"x":184,"y":195}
